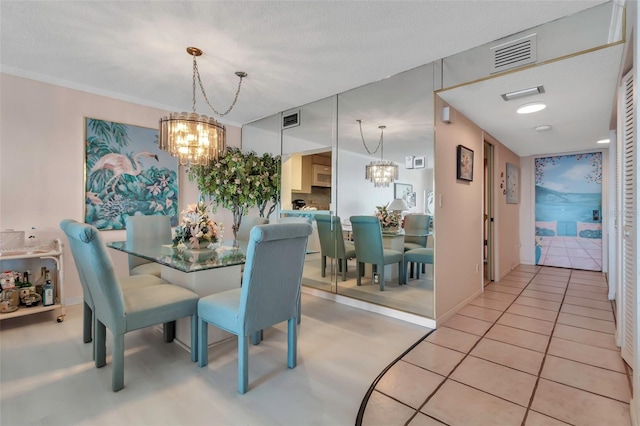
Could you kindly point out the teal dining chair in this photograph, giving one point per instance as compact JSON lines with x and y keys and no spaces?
{"x":367,"y":236}
{"x":333,"y":245}
{"x":127,"y":283}
{"x":120,"y":311}
{"x":269,"y":294}
{"x":143,"y":232}
{"x":417,"y":228}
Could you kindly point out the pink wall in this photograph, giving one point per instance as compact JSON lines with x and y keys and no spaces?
{"x":459,"y":220}
{"x":42,"y":160}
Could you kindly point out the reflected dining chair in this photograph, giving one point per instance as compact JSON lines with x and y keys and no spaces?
{"x":121,"y":311}
{"x":367,"y":236}
{"x":417,"y":228}
{"x":269,"y":294}
{"x":247,"y":223}
{"x":142,"y":232}
{"x":332,"y":244}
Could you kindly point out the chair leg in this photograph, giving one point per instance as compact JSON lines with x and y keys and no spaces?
{"x":418,"y":270}
{"x":359,"y":274}
{"x":299,"y":307}
{"x":100,"y":336}
{"x":411,"y":270}
{"x":344,"y":268}
{"x":323,"y":265}
{"x":257,"y":337}
{"x":87,"y":323}
{"x":194,"y":337}
{"x":401,"y":273}
{"x":243,"y":364}
{"x":169,"y":331}
{"x":424,"y":268}
{"x":203,"y":344}
{"x":292,"y":343}
{"x":117,"y":379}
{"x":380,"y":271}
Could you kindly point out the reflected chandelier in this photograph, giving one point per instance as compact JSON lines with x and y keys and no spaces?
{"x":380,"y":173}
{"x":195,"y":139}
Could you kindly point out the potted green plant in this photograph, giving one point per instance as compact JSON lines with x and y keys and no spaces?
{"x":238,"y":181}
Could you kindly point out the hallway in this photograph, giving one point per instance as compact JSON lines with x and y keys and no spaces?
{"x":536,"y":348}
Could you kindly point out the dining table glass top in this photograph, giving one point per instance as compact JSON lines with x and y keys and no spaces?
{"x":228,"y":253}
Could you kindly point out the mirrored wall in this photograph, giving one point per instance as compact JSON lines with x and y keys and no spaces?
{"x":324,"y":156}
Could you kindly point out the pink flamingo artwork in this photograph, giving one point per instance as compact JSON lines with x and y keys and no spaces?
{"x":121,"y":165}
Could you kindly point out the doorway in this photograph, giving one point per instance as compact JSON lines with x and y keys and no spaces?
{"x":488,"y":213}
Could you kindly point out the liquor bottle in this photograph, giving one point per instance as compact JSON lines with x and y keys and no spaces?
{"x":41,"y":281}
{"x":25,"y":279}
{"x":47,"y":291}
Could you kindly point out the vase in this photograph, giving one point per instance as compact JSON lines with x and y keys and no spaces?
{"x":204,"y":244}
{"x":390,"y":229}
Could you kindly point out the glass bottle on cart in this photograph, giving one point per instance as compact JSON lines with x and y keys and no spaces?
{"x":47,"y":291}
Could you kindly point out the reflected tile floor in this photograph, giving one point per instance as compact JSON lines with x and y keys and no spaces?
{"x":536,"y":348}
{"x":572,"y":252}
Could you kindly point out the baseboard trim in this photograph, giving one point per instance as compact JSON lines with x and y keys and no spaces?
{"x":451,"y":312}
{"x":371,"y":307}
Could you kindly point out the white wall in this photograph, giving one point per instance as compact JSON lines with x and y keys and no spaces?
{"x":42,"y":160}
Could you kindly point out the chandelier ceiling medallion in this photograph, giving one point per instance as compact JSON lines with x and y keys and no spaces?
{"x":195,"y":139}
{"x":380,"y":173}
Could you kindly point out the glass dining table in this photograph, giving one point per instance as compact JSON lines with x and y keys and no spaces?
{"x":203,"y":271}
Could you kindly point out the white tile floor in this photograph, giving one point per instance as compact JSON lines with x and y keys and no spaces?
{"x":537,"y":348}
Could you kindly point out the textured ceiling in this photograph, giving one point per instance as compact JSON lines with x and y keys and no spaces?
{"x":295,"y":52}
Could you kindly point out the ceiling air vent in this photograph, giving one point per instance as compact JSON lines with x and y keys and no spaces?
{"x":514,"y":54}
{"x":291,"y":119}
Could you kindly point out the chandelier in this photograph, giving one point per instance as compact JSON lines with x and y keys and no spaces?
{"x":380,"y":173}
{"x":195,"y":139}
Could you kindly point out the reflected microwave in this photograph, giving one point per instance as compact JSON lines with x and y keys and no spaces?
{"x":321,"y":175}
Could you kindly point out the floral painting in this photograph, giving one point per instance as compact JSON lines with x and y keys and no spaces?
{"x":127,"y":174}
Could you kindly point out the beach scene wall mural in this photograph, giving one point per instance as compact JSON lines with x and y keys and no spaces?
{"x":568,"y":211}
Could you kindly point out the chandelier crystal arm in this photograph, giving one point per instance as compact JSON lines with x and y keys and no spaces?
{"x":240,"y":74}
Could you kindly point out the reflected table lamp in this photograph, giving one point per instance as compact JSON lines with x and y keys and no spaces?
{"x":398,"y":205}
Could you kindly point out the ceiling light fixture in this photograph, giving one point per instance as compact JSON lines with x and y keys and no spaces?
{"x":522,"y":93}
{"x":542,"y":128}
{"x":604,"y":141}
{"x":531,"y":107}
{"x":195,"y":139}
{"x":380,"y":173}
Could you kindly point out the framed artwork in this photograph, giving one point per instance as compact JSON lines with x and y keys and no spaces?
{"x":513,"y":184}
{"x":405,"y":191}
{"x":126,"y":174}
{"x":464,"y":167}
{"x":419,"y":162}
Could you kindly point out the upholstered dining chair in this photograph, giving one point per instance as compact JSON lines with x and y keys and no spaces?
{"x":133,"y":282}
{"x":332,"y":244}
{"x":416,"y":228}
{"x":367,"y":236}
{"x":269,"y":294}
{"x":146,"y":231}
{"x":120,"y":311}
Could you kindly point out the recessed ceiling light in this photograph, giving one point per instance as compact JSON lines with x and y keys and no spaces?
{"x":522,"y":93}
{"x":532,"y":107}
{"x":542,"y":128}
{"x":604,"y":141}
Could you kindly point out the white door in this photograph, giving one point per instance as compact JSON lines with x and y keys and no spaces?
{"x":628,"y":191}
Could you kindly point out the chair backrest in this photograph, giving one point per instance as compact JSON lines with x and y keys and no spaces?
{"x":330,"y":235}
{"x":367,"y":236}
{"x":74,"y":245}
{"x":247,"y":223}
{"x":146,"y":231}
{"x":416,"y":224}
{"x":272,"y":274}
{"x":296,"y":219}
{"x":91,"y":255}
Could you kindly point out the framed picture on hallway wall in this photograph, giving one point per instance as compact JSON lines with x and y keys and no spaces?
{"x":464,"y":164}
{"x":126,"y":174}
{"x":513,"y":184}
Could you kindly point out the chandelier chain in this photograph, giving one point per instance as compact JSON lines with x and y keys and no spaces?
{"x":380,"y":144}
{"x":197,"y":73}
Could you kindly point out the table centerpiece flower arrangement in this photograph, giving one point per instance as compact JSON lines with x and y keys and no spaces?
{"x":196,"y":229}
{"x":389,"y":220}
